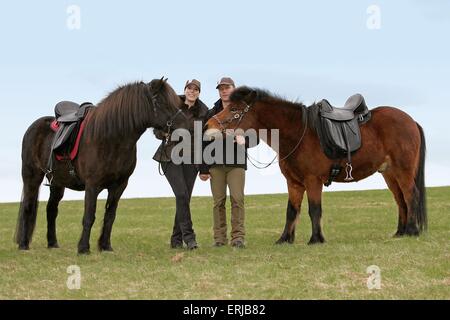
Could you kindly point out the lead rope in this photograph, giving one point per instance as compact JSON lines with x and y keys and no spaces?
{"x":163,"y":144}
{"x":266,"y":165}
{"x":169,"y":125}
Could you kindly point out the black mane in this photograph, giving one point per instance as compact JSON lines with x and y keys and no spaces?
{"x":264,"y":96}
{"x":129,"y":108}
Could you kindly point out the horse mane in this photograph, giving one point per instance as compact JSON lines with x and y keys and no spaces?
{"x":127,"y":110}
{"x":309,"y":114}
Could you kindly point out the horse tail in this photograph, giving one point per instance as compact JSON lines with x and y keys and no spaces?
{"x":26,"y":220}
{"x":19,"y":224}
{"x":421,"y":214}
{"x":32,"y":177}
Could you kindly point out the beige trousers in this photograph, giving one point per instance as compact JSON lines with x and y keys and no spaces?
{"x":234,"y":178}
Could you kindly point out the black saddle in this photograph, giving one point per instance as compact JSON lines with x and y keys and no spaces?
{"x":338,"y":129}
{"x":355,"y":106}
{"x":69,"y":116}
{"x":68,"y":111}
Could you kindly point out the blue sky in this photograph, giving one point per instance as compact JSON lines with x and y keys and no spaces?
{"x":299,"y":49}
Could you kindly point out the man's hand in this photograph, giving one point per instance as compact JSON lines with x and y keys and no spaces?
{"x":240,"y":140}
{"x":204,"y":176}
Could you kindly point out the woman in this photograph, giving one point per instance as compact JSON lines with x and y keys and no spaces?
{"x":182,"y":176}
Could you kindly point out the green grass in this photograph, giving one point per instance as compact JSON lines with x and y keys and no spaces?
{"x":358,"y":227}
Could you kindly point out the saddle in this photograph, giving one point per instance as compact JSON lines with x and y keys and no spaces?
{"x":339,"y":132}
{"x":68,"y":125}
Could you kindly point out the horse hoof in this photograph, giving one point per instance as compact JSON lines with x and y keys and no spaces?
{"x":284,"y":240}
{"x":398,"y":234}
{"x":316,"y":240}
{"x":107,"y":249}
{"x":84,"y":251}
{"x":24,"y":247}
{"x":53,"y":245}
{"x":412,"y":231}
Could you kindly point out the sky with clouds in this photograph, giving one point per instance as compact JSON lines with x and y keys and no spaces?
{"x":301,"y":50}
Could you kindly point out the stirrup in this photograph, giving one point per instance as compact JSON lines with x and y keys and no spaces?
{"x":49,"y":180}
{"x":348,"y":171}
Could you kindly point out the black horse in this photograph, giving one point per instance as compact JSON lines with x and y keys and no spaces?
{"x":105,"y":160}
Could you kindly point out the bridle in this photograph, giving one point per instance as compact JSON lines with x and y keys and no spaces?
{"x":168,"y":128}
{"x":169,"y":122}
{"x":239,"y":115}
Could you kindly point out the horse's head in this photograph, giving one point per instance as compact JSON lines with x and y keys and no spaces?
{"x":239,"y":115}
{"x":166,"y":106}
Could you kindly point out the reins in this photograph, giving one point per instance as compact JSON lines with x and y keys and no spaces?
{"x":239,"y":116}
{"x":266,"y":165}
{"x":169,"y":125}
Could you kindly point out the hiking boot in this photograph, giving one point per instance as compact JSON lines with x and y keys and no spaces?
{"x":238,"y":244}
{"x":176,"y":245}
{"x":192,"y":245}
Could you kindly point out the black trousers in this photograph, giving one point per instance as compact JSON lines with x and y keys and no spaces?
{"x":181,"y":178}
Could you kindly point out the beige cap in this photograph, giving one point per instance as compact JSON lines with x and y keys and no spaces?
{"x":225,"y":80}
{"x":195,"y":82}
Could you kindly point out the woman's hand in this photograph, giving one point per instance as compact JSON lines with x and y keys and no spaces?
{"x":160,"y":134}
{"x":204,"y":176}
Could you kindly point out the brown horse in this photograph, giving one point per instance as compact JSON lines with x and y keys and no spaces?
{"x":106,"y":158}
{"x":392,"y":143}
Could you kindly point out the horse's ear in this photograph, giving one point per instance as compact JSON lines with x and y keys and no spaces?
{"x":162,"y":81}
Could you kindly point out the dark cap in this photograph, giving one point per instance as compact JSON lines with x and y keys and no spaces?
{"x":225,"y":80}
{"x":195,"y":82}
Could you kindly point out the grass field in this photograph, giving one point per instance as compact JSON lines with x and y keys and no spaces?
{"x":358,"y":227}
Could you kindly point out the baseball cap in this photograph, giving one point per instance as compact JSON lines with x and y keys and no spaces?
{"x":195,"y":82}
{"x":225,"y":80}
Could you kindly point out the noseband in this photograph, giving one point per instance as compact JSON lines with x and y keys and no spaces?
{"x":236,"y":115}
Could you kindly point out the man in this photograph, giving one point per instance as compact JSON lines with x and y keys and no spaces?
{"x":225,"y":173}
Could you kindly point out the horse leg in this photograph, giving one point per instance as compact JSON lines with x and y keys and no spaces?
{"x":114,"y":194}
{"x":411,"y":179}
{"x":402,"y":207}
{"x":32,"y":179}
{"x":296,"y":191}
{"x":314,"y":193}
{"x":408,"y":187}
{"x":56,"y":194}
{"x":90,"y":205}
